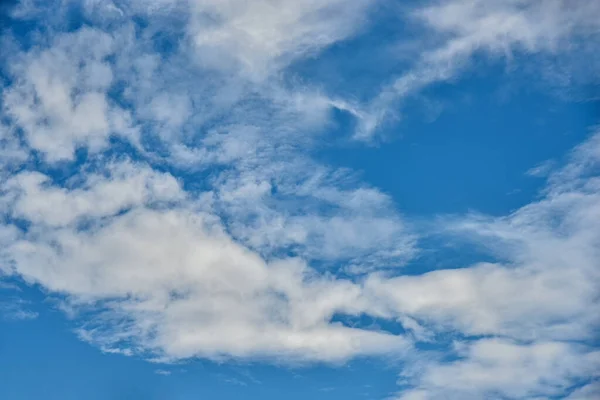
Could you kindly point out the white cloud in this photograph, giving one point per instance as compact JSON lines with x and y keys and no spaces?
{"x":316,"y":212}
{"x":502,"y":26}
{"x":119,"y":187}
{"x":11,"y":151}
{"x":538,"y":304}
{"x":494,"y":368}
{"x":201,"y":265}
{"x":263,"y":36}
{"x":59,"y":96}
{"x":163,"y":276}
{"x":541,"y":170}
{"x":154,"y":262}
{"x":458,"y":30}
{"x":589,"y":391}
{"x":262,"y":132}
{"x":172,"y":282}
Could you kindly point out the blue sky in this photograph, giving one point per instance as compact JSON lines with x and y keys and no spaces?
{"x":335,"y":199}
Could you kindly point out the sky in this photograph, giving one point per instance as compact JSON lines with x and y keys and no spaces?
{"x":324,"y":199}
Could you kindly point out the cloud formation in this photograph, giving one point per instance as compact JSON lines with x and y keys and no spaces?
{"x":159,"y":177}
{"x":527,"y":321}
{"x":458,"y":31}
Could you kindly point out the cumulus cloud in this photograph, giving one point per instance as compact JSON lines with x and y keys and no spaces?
{"x":197,"y":222}
{"x":172,"y":281}
{"x":537,"y":303}
{"x":498,"y":368}
{"x":59,"y":96}
{"x":153,"y":261}
{"x":123,"y":185}
{"x":255,"y":133}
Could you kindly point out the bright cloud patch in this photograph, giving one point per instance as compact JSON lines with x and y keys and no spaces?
{"x":161,"y":178}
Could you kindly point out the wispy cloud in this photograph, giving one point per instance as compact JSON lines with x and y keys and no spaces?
{"x":457,"y":31}
{"x":162,"y":372}
{"x":15,"y":308}
{"x":160,"y":178}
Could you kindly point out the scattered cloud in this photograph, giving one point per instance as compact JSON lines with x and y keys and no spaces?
{"x":59,"y":98}
{"x":160,"y":178}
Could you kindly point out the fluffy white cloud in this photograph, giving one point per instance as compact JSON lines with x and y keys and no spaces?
{"x":492,"y":368}
{"x":59,"y":96}
{"x":173,"y":107}
{"x":538,"y":304}
{"x":172,"y":282}
{"x":123,"y":185}
{"x":208,"y":244}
